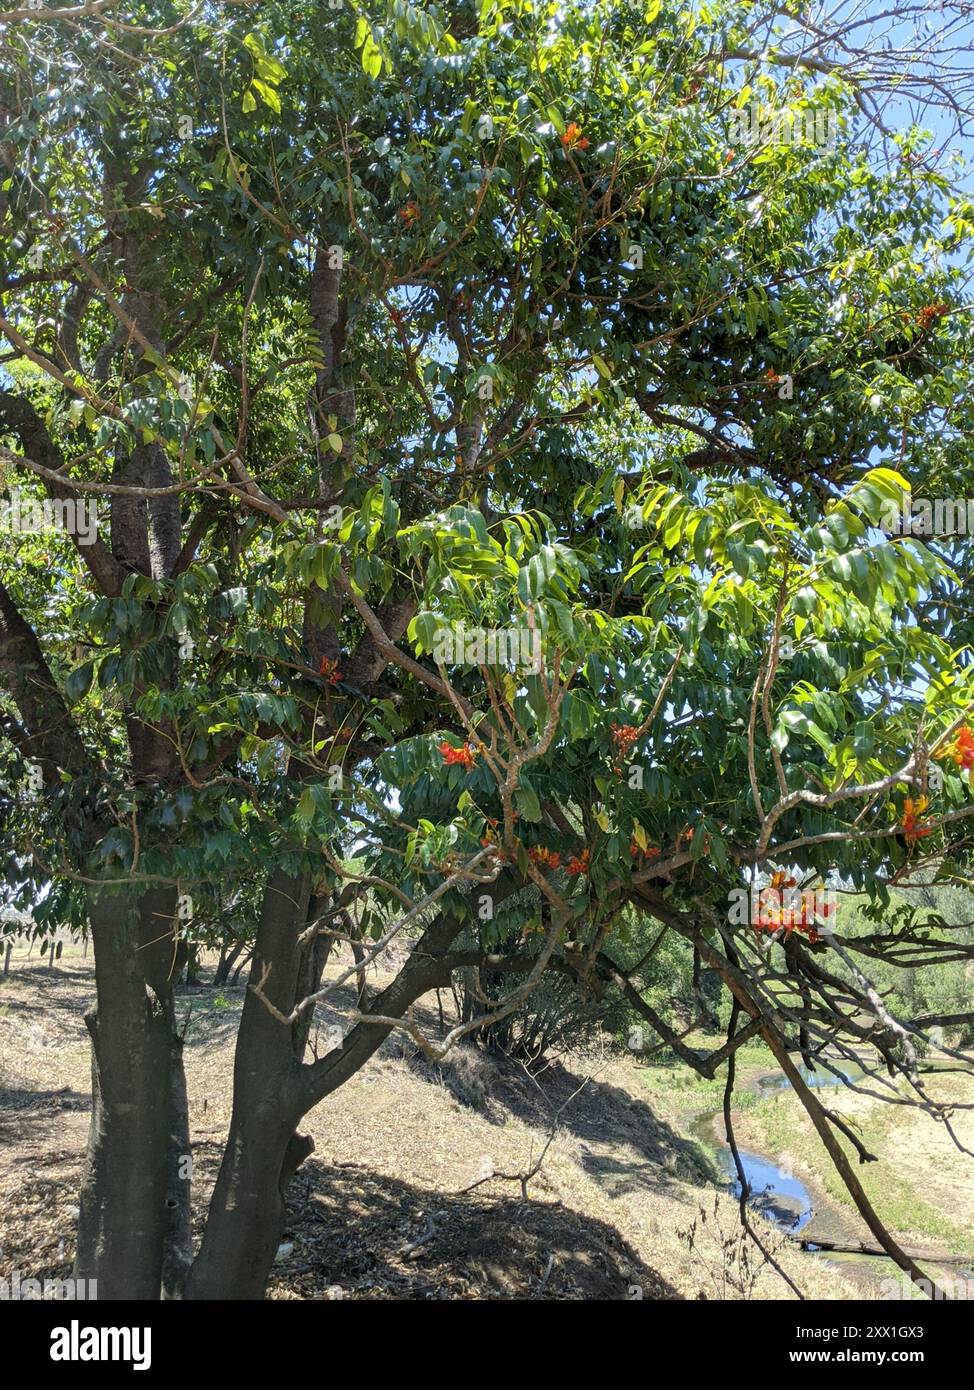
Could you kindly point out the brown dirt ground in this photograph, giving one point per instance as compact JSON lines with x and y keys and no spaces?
{"x":622,"y":1209}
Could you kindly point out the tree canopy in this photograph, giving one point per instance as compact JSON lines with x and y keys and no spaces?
{"x":470,"y":457}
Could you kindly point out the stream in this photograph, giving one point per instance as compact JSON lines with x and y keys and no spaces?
{"x":781,"y":1197}
{"x":775,"y":1192}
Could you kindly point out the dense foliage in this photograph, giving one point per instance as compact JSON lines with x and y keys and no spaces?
{"x":374,"y":332}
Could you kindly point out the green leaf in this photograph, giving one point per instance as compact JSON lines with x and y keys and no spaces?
{"x":528,"y":805}
{"x":79,"y":682}
{"x":267,"y":94}
{"x":371,"y":57}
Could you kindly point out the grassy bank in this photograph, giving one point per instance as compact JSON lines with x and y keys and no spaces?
{"x":922,"y":1184}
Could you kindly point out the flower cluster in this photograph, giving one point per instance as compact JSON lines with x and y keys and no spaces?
{"x":573,"y":139}
{"x":625,"y":736}
{"x":914,"y":829}
{"x":961,"y":751}
{"x":777,"y":912}
{"x":930,"y":313}
{"x":579,"y":863}
{"x":329,"y":670}
{"x":464,"y":756}
{"x":545,"y":858}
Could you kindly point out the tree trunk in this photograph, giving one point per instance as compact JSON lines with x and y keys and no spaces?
{"x":246,"y":1213}
{"x":192,"y":966}
{"x":177,"y":1255}
{"x":130,"y":1214}
{"x":273,"y":1090}
{"x":246,"y":1216}
{"x":235,"y":978}
{"x":229,"y":955}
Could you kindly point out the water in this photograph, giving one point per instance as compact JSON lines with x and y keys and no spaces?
{"x":777,"y":1081}
{"x":787,"y":1202}
{"x":776,"y":1194}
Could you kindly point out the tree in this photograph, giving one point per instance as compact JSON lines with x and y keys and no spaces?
{"x":451,"y":429}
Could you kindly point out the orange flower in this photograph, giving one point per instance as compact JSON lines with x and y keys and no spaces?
{"x":329,"y":670}
{"x":410,"y":213}
{"x":573,"y":139}
{"x":768,"y":909}
{"x":579,"y":863}
{"x":930,"y":313}
{"x":464,"y":756}
{"x":912,"y":828}
{"x":547,"y":858}
{"x":961,"y":751}
{"x":775,"y":914}
{"x":625,"y":737}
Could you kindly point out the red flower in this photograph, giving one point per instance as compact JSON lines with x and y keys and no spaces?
{"x":579,"y":863}
{"x":961,"y":751}
{"x":651,"y":852}
{"x":547,"y":858}
{"x":329,"y":670}
{"x":573,"y":138}
{"x":410,"y":213}
{"x":464,"y":756}
{"x":625,"y":737}
{"x":914,"y":829}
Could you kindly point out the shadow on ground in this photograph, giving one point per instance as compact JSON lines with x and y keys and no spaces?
{"x":50,"y":997}
{"x":23,"y":1098}
{"x":645,"y":1150}
{"x":371,"y":1236}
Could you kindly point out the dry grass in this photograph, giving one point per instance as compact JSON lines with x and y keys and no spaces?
{"x":394,"y":1150}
